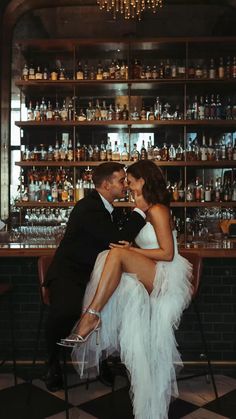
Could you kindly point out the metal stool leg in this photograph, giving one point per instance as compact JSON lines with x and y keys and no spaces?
{"x":11,"y":321}
{"x":65,"y":382}
{"x":205,"y":348}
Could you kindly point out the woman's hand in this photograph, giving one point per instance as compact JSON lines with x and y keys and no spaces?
{"x":123,"y":244}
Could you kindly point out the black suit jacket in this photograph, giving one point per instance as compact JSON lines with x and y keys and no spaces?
{"x":89,"y":232}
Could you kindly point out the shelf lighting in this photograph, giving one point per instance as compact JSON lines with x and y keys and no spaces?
{"x":129,"y":9}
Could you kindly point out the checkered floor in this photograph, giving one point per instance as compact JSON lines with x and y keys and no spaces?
{"x":196,"y":400}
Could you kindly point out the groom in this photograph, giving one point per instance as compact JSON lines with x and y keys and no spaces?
{"x":89,"y":231}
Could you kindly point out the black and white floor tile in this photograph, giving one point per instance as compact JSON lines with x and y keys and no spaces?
{"x":196,"y":400}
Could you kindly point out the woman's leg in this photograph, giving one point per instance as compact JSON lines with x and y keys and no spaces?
{"x":118,"y":261}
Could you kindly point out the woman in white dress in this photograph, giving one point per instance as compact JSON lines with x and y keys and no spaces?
{"x":135,"y":299}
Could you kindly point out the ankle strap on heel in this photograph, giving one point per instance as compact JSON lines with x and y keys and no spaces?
{"x":92,"y":311}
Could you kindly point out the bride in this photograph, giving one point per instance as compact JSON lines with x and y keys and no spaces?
{"x":135,"y":299}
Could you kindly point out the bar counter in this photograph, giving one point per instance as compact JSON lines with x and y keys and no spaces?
{"x":223,"y":249}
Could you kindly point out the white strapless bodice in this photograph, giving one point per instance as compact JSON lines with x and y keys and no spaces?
{"x":147,"y":239}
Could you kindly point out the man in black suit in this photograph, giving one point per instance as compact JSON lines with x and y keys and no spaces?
{"x":90,"y":230}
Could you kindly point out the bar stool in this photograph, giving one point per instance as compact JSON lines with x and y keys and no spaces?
{"x":5,"y":292}
{"x":196,"y":260}
{"x":44,"y":292}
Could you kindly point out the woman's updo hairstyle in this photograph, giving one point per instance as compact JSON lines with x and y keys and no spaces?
{"x":154,"y":188}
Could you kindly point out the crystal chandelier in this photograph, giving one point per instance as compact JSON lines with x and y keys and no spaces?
{"x":129,"y":9}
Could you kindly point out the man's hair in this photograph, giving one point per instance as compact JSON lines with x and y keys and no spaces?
{"x":105,"y":171}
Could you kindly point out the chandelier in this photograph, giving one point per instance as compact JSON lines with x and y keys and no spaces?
{"x":129,"y":9}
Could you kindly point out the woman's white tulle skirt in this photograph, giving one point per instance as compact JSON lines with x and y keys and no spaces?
{"x":140,"y":327}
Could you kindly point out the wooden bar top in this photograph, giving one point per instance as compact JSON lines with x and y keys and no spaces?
{"x":224,"y":249}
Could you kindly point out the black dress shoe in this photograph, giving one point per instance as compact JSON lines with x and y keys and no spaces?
{"x":53,"y":378}
{"x":106,"y":375}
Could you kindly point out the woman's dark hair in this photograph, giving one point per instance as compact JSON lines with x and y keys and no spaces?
{"x":154,"y":188}
{"x":105,"y":171}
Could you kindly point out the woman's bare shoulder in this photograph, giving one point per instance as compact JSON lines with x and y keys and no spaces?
{"x":158,"y":212}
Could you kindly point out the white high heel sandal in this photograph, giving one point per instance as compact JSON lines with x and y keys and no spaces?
{"x":74,"y":339}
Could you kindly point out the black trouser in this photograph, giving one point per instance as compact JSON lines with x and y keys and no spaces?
{"x":66,"y":297}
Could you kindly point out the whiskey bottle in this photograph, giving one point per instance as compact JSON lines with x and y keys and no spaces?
{"x":201,"y":113}
{"x":210,"y":151}
{"x":70,"y":151}
{"x":218,"y":107}
{"x":56,"y":154}
{"x":149,"y":149}
{"x":125,"y":113}
{"x":109,"y":149}
{"x":221,"y":68}
{"x":38,"y":74}
{"x":79,"y":72}
{"x":116,"y":152}
{"x":49,"y":112}
{"x":104,"y":111}
{"x":164,"y":152}
{"x":203,"y":149}
{"x":143,"y":151}
{"x":78,"y":151}
{"x":135,"y":156}
{"x":212,"y":69}
{"x":233,"y":69}
{"x":172,"y":152}
{"x":103,"y":153}
{"x":30,"y":112}
{"x":179,"y":152}
{"x":206,"y":108}
{"x":124,"y":154}
{"x":228,"y":68}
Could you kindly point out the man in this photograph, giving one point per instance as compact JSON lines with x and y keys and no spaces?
{"x":90,"y":230}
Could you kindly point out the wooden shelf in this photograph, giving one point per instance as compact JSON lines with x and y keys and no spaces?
{"x":205,"y":164}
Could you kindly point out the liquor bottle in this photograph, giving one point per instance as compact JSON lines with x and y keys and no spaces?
{"x":103,"y":153}
{"x":206,"y":108}
{"x":229,"y":148}
{"x":164,"y":152}
{"x":167,"y":69}
{"x":104,"y":111}
{"x":109,"y":149}
{"x":148,"y":74}
{"x":143,"y":113}
{"x":38,"y":73}
{"x":125,"y":113}
{"x":37,"y":112}
{"x":135,"y":115}
{"x":79,"y":72}
{"x":234,"y":150}
{"x":117,"y":112}
{"x":233,"y":198}
{"x":135,"y":156}
{"x":124,"y":154}
{"x":116,"y":152}
{"x":50,"y":153}
{"x":70,"y":111}
{"x":196,"y":150}
{"x":25,"y":72}
{"x":99,"y":71}
{"x":151,"y":116}
{"x":105,"y":73}
{"x":49,"y":112}
{"x":228,"y":109}
{"x":195,"y":108}
{"x":223,"y":148}
{"x":221,"y":68}
{"x":149,"y":149}
{"x":30,"y":112}
{"x":31,"y":72}
{"x":201,"y":113}
{"x":218,"y":107}
{"x":45,"y":74}
{"x":212,"y":69}
{"x":228,"y":68}
{"x":197,"y":190}
{"x":173,"y":70}
{"x":56,"y":113}
{"x":110,"y":113}
{"x":233,"y":69}
{"x":96,"y":153}
{"x":78,"y":151}
{"x":136,"y":69}
{"x":191,"y":71}
{"x":86,"y":70}
{"x":156,"y":153}
{"x":157,"y":109}
{"x":210,"y":151}
{"x":64,"y":112}
{"x":207,"y":195}
{"x":172,"y":152}
{"x":143,"y":151}
{"x":212,"y":108}
{"x":112,"y":70}
{"x":70,"y":151}
{"x":97,"y":113}
{"x":203,"y":149}
{"x":189,"y":151}
{"x":63,"y":151}
{"x":155,"y":73}
{"x":54,"y":192}
{"x":199,"y":71}
{"x":56,"y":154}
{"x":179,"y":152}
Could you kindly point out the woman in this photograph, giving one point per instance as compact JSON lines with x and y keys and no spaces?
{"x":135,"y":299}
